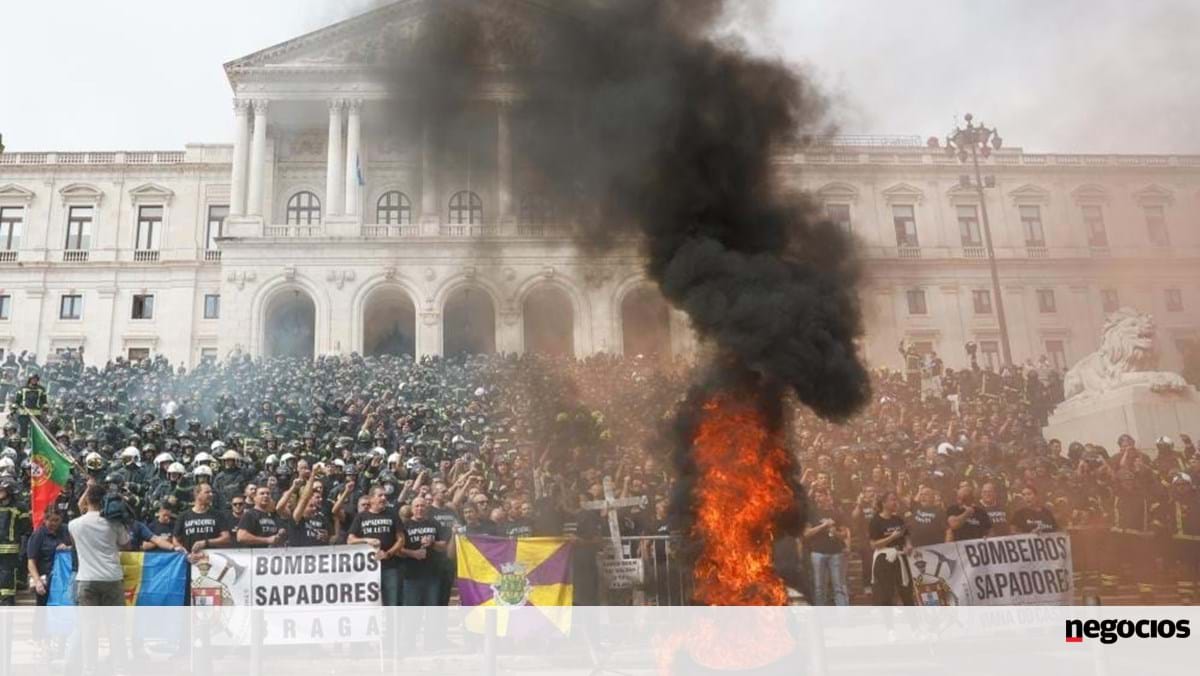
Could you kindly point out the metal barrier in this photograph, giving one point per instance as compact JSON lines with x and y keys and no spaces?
{"x":665,"y":580}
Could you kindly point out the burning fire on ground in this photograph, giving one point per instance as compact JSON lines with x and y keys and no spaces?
{"x":741,"y":492}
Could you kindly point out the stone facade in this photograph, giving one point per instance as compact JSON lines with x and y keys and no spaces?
{"x":396,"y":231}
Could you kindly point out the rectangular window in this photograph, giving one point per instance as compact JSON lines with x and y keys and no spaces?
{"x":968,"y":225}
{"x":216,"y":225}
{"x":983,"y":301}
{"x":1046,"y":302}
{"x":906,"y":225}
{"x":11,"y":220}
{"x":208,"y":354}
{"x":1056,"y":350}
{"x":990,"y":350}
{"x":71,"y":306}
{"x":1031,"y":223}
{"x":1109,"y":300}
{"x":139,"y":353}
{"x":79,"y":229}
{"x":5,"y":306}
{"x":149,"y":226}
{"x":1174,"y":300}
{"x":1156,"y":225}
{"x":212,"y":306}
{"x":916,"y":302}
{"x":1093,"y":220}
{"x":839,"y":214}
{"x":143,"y":306}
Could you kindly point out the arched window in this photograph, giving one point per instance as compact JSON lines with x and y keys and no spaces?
{"x":304,"y":208}
{"x":393,"y":208}
{"x":466,"y":209}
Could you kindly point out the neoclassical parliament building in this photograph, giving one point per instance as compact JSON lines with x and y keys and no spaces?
{"x":331,"y":224}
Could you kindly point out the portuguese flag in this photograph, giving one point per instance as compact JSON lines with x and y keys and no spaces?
{"x":49,"y":471}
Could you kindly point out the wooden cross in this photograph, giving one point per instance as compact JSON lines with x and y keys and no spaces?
{"x":612,"y":504}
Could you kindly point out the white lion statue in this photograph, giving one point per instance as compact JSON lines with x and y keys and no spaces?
{"x":1127,"y":356}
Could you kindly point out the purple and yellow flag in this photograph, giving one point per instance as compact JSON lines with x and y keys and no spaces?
{"x":509,"y":574}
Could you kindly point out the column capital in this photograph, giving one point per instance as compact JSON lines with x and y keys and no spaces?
{"x":261,"y":106}
{"x":353,"y":105}
{"x":241,"y":106}
{"x":336,"y":105}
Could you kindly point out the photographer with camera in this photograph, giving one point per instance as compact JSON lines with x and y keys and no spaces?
{"x":98,"y":542}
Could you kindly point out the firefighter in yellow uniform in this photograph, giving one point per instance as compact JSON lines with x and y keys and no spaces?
{"x":14,"y":524}
{"x":30,"y":402}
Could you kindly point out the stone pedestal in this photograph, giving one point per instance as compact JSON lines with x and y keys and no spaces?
{"x":1132,"y":409}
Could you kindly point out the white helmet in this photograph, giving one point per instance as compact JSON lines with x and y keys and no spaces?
{"x":201,"y":458}
{"x":378,"y":450}
{"x":163,"y":457}
{"x":8,"y":452}
{"x":176,"y":468}
{"x":286,"y":458}
{"x":230,"y":455}
{"x":338,"y":462}
{"x":1164,"y":440}
{"x":216,"y":446}
{"x":202,"y":470}
{"x":394,"y":459}
{"x":271,"y":460}
{"x":130,"y":452}
{"x":7,"y":466}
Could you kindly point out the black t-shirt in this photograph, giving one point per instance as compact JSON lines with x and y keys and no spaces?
{"x":414,"y":530}
{"x":312,"y":531}
{"x":447,"y":518}
{"x":159,"y":528}
{"x":192,"y":527}
{"x":999,"y":517}
{"x":517,"y":529}
{"x":880,"y":528}
{"x":826,"y":541}
{"x":1028,"y":520}
{"x":260,"y":523}
{"x":976,"y":526}
{"x":382,"y":526}
{"x":481,"y":528}
{"x":927,"y":526}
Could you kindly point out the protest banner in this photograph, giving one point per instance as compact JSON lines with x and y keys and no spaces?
{"x":1014,"y":570}
{"x":331,"y":594}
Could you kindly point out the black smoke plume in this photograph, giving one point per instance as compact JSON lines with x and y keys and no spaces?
{"x":635,"y":120}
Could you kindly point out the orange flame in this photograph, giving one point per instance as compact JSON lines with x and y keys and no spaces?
{"x":742,"y":490}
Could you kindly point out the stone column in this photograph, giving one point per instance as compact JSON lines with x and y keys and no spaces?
{"x":353,"y":151}
{"x":335,"y":163}
{"x":504,"y":194}
{"x":430,"y":208}
{"x":258,"y":161}
{"x":241,"y":141}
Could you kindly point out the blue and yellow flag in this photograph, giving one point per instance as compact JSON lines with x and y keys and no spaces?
{"x":510,"y":574}
{"x":151,"y":579}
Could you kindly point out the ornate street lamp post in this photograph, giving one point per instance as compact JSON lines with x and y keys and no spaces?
{"x":968,"y":143}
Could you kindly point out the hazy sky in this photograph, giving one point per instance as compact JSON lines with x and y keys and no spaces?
{"x":1052,"y":75}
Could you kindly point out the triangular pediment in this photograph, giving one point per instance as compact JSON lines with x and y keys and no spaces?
{"x":373,"y":39}
{"x":12,"y":192}
{"x":151,"y":192}
{"x":1090,"y":192}
{"x":1030,"y":194}
{"x":903,"y":192}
